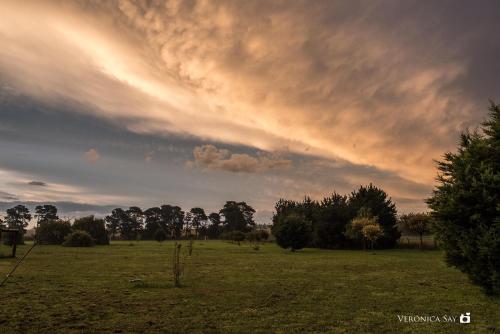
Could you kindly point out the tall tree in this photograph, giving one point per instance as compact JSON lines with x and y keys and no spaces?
{"x":131,"y":229}
{"x":238,"y":216}
{"x":45,"y":213}
{"x":199,"y":219}
{"x":153,"y":222}
{"x":214,"y":229}
{"x":114,"y":221}
{"x":466,"y":204}
{"x":331,"y":218}
{"x":17,"y":218}
{"x":172,"y":220}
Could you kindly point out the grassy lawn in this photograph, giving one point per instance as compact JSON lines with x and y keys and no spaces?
{"x":234,"y":289}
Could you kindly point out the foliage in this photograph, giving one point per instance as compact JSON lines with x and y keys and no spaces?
{"x":17,"y":218}
{"x":198,"y":219}
{"x":376,"y":201}
{"x":46,"y":213}
{"x":95,"y":227}
{"x":238,"y":216}
{"x":127,"y":223}
{"x":416,"y":223}
{"x":292,"y":231}
{"x":330,"y":222}
{"x":331,"y":216}
{"x":372,"y":232}
{"x":355,"y":230}
{"x":79,"y":239}
{"x":215,"y":228}
{"x":53,"y":232}
{"x":160,"y":235}
{"x":466,"y":204}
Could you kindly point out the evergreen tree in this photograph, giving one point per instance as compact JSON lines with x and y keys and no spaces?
{"x":466,"y":204}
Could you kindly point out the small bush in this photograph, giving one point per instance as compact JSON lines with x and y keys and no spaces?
{"x":292,"y":231}
{"x":79,"y":239}
{"x":93,"y":226}
{"x":53,"y":232}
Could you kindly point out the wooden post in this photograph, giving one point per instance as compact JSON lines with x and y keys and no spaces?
{"x":14,"y":244}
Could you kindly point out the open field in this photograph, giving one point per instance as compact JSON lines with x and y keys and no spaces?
{"x":234,"y":289}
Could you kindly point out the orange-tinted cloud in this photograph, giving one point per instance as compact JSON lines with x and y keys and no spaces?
{"x":210,"y":157}
{"x":92,"y":156}
{"x":315,"y":78}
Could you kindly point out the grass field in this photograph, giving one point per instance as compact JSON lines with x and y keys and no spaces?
{"x":234,"y":289}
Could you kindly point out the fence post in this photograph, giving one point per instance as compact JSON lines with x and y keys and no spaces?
{"x":14,"y":244}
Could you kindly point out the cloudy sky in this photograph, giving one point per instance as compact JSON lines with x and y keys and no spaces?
{"x":115,"y":103}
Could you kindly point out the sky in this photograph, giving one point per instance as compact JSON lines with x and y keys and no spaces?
{"x":192,"y":103}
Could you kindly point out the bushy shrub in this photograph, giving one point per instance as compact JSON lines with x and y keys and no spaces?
{"x":8,"y":238}
{"x":371,"y":233}
{"x":355,"y":229}
{"x":95,"y":227}
{"x":465,"y":204}
{"x":53,"y":232}
{"x":79,"y":238}
{"x":160,"y":235}
{"x":292,"y":231}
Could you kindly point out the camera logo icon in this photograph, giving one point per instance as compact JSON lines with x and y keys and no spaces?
{"x":465,"y":318}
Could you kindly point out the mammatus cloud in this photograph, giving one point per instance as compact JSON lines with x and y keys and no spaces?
{"x":210,"y":157}
{"x":92,"y":156}
{"x":37,"y":183}
{"x":322,"y":78}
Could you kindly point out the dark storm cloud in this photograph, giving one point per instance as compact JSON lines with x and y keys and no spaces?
{"x":37,"y":183}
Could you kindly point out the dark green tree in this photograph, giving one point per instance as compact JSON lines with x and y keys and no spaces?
{"x":380,"y":205}
{"x":215,"y":227}
{"x":466,"y":204}
{"x":113,"y":222}
{"x":17,"y":218}
{"x":53,"y":232}
{"x":292,"y":231}
{"x":132,"y":227}
{"x":198,"y":219}
{"x":152,"y":223}
{"x":45,"y":212}
{"x":331,"y":218}
{"x":93,"y":226}
{"x":238,"y":216}
{"x":172,"y":220}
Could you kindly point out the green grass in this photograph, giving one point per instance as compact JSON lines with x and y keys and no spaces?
{"x":234,"y":289}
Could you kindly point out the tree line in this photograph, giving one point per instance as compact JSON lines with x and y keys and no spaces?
{"x":364,"y":218}
{"x":160,"y":223}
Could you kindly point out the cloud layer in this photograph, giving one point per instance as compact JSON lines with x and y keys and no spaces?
{"x":383,"y":87}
